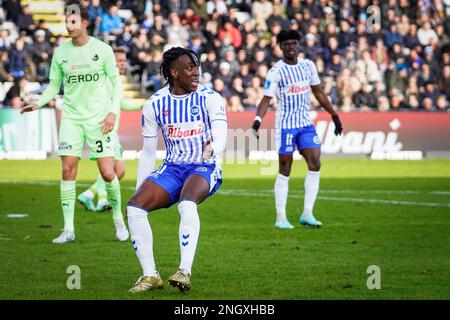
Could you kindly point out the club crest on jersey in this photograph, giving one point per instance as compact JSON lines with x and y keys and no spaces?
{"x":166,"y":112}
{"x":195,"y":110}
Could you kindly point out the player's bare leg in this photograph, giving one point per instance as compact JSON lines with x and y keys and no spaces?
{"x":194,"y":191}
{"x":148,"y":197}
{"x":281,"y":190}
{"x":312,"y":158}
{"x":106,"y":168}
{"x":68,"y":193}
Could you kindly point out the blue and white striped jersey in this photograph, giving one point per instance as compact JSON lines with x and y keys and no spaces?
{"x":185,"y":122}
{"x":291,"y":85}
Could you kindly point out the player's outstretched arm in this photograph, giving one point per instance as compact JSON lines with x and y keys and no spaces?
{"x":325,"y":103}
{"x":261,"y":111}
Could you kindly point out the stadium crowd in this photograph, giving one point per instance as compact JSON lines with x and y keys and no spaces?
{"x":371,"y":55}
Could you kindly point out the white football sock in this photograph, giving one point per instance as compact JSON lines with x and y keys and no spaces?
{"x":188,"y":233}
{"x":311,"y":191}
{"x":281,"y":190}
{"x":142,"y":239}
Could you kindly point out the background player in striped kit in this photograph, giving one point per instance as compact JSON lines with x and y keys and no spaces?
{"x":193,"y":123}
{"x":88,"y":68}
{"x":291,"y":80}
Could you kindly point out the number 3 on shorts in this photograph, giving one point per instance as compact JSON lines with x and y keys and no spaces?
{"x":99,"y":146}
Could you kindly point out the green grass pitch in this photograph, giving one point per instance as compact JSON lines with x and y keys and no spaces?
{"x":392,"y":214}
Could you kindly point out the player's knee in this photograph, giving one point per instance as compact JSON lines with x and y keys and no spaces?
{"x":69,"y":172}
{"x":120,"y":173}
{"x":285,"y":168}
{"x":314,"y":165}
{"x":108,"y":176}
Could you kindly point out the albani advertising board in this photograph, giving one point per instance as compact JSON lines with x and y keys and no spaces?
{"x":364,"y":132}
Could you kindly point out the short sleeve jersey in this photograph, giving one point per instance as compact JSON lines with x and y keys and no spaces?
{"x":185,"y":122}
{"x":291,"y":86}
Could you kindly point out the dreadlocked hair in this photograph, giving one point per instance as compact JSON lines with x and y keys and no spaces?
{"x":169,"y":57}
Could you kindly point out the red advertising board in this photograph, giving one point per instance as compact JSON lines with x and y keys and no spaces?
{"x":363,"y":132}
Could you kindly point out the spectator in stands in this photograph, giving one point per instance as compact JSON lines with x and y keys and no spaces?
{"x":311,"y":48}
{"x":345,"y":36}
{"x":41,"y":53}
{"x":228,"y":30}
{"x":211,"y":64}
{"x":442,"y":103}
{"x":396,"y":100}
{"x":42,"y":25}
{"x":383,"y":104}
{"x":426,"y":35}
{"x":380,"y":55}
{"x":368,"y":67}
{"x":277,"y":17}
{"x":17,"y":59}
{"x":41,"y":49}
{"x":427,"y":104}
{"x":25,"y":21}
{"x":430,"y":91}
{"x":176,"y":31}
{"x":222,"y":89}
{"x":5,"y":75}
{"x":125,"y":40}
{"x":425,"y":75}
{"x":200,"y":8}
{"x":218,"y":6}
{"x":111,"y":23}
{"x":6,"y":41}
{"x":153,"y":74}
{"x":294,"y":10}
{"x":158,"y":27}
{"x":444,"y":81}
{"x":330,"y":89}
{"x":392,"y":36}
{"x":412,"y":89}
{"x":410,"y":40}
{"x":334,"y":68}
{"x":225,"y":73}
{"x":261,"y":11}
{"x":17,"y":94}
{"x":196,"y":44}
{"x":364,"y":100}
{"x":140,"y":51}
{"x":346,"y":12}
{"x":327,"y":19}
{"x":237,"y":87}
{"x":95,"y":11}
{"x":347,"y":104}
{"x":189,"y":17}
{"x":13,"y":9}
{"x":253,"y":93}
{"x":148,"y":21}
{"x":444,"y":38}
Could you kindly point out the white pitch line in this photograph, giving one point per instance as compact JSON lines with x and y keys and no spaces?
{"x":269,"y":192}
{"x":383,"y":201}
{"x":340,"y":191}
